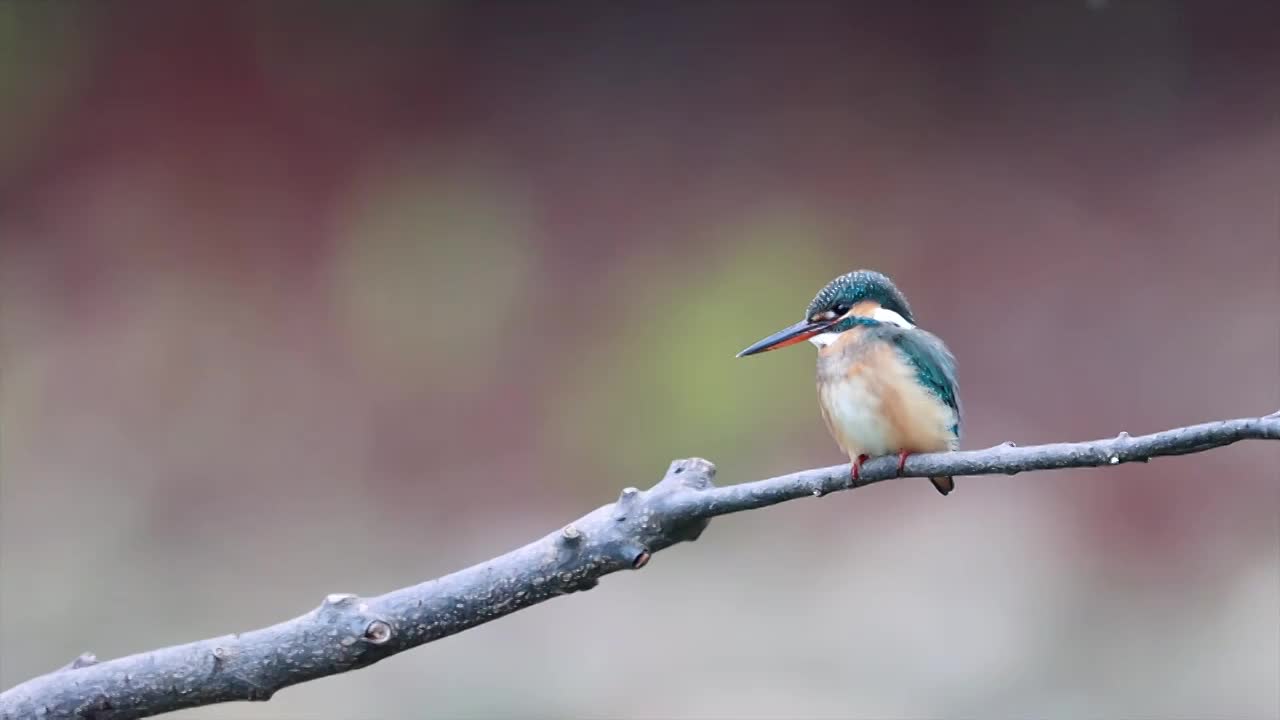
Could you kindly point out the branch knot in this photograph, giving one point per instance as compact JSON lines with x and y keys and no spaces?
{"x":378,"y":632}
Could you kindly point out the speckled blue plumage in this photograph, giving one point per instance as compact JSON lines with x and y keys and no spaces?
{"x":857,"y":286}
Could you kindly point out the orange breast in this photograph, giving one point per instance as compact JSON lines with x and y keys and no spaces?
{"x":872,"y":403}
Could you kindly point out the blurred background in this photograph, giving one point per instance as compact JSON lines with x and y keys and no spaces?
{"x":300,"y":298}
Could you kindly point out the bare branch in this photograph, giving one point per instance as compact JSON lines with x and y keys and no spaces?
{"x":348,"y":632}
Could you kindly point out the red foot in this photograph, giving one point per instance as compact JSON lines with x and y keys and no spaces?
{"x":857,"y":467}
{"x":902,"y":461}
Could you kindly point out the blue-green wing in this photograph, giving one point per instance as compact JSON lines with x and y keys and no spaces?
{"x":934,"y":364}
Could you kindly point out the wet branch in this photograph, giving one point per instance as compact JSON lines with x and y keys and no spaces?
{"x":347,"y":632}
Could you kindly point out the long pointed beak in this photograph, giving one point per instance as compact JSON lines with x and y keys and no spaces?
{"x":799,"y":332}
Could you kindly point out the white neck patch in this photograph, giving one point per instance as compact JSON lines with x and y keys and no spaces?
{"x":822,"y":340}
{"x":891,"y":317}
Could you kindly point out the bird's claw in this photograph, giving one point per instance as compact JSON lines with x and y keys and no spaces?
{"x":857,"y":468}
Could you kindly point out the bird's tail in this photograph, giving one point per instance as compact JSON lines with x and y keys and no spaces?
{"x":944,"y":484}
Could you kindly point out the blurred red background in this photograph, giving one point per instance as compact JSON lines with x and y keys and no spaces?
{"x":306,"y":298}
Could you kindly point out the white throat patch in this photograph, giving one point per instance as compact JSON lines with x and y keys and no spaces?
{"x":822,"y":340}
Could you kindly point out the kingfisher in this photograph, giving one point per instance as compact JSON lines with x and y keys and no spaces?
{"x":885,"y":386}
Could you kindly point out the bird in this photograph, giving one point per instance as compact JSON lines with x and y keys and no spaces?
{"x":885,"y":386}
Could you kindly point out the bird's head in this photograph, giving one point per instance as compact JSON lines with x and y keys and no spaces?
{"x":849,"y":300}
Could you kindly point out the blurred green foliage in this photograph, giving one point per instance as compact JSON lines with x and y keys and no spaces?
{"x":433,"y":264}
{"x":666,"y":383}
{"x":43,"y":50}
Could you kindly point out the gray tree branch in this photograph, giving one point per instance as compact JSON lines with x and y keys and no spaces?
{"x":348,"y":632}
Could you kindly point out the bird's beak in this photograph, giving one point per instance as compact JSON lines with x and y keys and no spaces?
{"x":799,"y":332}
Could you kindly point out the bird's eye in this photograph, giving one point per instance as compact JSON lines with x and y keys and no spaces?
{"x":842,"y":308}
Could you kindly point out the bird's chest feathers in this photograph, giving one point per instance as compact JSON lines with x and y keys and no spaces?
{"x":872,"y":404}
{"x":853,"y":409}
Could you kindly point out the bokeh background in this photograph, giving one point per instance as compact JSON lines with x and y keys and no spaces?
{"x":298,"y":298}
